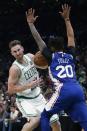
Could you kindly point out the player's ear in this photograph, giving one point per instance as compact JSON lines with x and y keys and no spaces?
{"x":22,"y":48}
{"x":11,"y":53}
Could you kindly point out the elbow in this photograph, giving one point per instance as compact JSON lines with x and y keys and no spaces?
{"x":71,"y":42}
{"x":70,"y":36}
{"x":10,"y":92}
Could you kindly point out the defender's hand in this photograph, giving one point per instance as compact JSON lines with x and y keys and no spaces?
{"x":65,"y":11}
{"x":30,"y":16}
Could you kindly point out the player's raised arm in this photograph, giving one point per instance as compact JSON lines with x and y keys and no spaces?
{"x":70,"y":34}
{"x":31,"y":19}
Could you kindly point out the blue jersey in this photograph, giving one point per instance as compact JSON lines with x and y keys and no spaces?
{"x":68,"y":95}
{"x":62,"y":67}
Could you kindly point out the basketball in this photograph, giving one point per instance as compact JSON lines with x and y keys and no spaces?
{"x":40,"y":61}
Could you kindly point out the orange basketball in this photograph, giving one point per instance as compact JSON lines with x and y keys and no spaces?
{"x":40,"y":60}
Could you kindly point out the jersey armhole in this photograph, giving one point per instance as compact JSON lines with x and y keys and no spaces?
{"x":72,"y":51}
{"x":18,"y":69}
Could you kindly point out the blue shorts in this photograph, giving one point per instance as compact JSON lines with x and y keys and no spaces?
{"x":72,"y":100}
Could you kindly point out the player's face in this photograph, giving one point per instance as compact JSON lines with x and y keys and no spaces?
{"x":17,"y":52}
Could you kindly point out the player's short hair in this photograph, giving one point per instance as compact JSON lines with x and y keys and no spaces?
{"x":57,"y":43}
{"x":14,"y":43}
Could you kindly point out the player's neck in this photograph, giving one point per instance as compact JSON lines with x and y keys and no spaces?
{"x":59,"y":50}
{"x":23,"y":61}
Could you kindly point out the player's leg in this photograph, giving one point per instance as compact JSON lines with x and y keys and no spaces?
{"x":54,"y":123}
{"x":32,"y":124}
{"x":56,"y":126}
{"x":48,"y":111}
{"x":78,"y":110}
{"x":29,"y":111}
{"x":83,"y":123}
{"x":45,"y":123}
{"x":56,"y":104}
{"x":79,"y":113}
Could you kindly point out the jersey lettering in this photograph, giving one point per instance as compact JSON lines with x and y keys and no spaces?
{"x":65,"y":71}
{"x":30,"y":73}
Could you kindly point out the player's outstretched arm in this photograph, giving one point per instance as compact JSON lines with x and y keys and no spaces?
{"x":31,"y":19}
{"x":70,"y":34}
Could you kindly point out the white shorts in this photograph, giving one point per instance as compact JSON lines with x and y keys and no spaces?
{"x":33,"y":107}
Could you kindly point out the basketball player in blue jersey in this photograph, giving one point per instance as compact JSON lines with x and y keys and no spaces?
{"x":69,"y":95}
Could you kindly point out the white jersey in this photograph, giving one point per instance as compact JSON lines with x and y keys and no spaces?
{"x":28,"y":74}
{"x":30,"y":102}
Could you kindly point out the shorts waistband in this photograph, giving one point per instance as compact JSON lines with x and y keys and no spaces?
{"x":24,"y":97}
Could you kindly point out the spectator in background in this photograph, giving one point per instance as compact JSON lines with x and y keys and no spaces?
{"x":13,"y":117}
{"x":13,"y":113}
{"x":81,"y":75}
{"x":4,"y":117}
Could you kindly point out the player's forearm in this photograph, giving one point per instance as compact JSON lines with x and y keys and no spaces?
{"x":41,"y":44}
{"x":15,"y":89}
{"x":69,"y":28}
{"x":70,"y":32}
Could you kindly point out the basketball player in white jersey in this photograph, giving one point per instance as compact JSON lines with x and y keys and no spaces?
{"x":24,"y":81}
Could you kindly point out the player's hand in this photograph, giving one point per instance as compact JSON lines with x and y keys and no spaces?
{"x":30,"y":16}
{"x":65,"y":11}
{"x":35,"y":83}
{"x":42,"y":82}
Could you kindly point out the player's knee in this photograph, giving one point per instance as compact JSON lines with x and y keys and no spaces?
{"x":26,"y":127}
{"x":84,"y":125}
{"x":54,"y":122}
{"x":32,"y":124}
{"x":56,"y":126}
{"x":35,"y":122}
